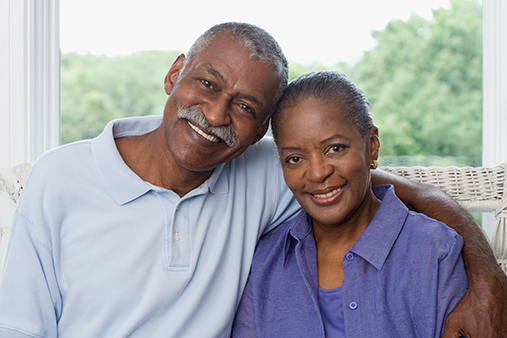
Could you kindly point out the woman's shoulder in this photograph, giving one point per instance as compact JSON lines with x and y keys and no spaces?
{"x":427,"y":234}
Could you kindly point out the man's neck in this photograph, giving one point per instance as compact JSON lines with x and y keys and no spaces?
{"x":148,"y":157}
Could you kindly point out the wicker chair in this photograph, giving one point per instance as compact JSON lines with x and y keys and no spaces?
{"x":476,"y":189}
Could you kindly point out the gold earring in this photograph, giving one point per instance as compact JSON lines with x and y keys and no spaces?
{"x":374,"y":165}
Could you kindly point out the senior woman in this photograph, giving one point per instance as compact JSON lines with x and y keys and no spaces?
{"x":355,"y":262}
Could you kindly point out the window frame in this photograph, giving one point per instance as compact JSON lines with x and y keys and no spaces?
{"x":29,"y":89}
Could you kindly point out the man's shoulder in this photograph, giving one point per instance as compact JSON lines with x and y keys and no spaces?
{"x":63,"y":157}
{"x":258,"y":161}
{"x":266,"y":147}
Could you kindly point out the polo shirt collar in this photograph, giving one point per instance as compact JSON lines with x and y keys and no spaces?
{"x":115,"y":174}
{"x":122,"y":184}
{"x":218,"y":182}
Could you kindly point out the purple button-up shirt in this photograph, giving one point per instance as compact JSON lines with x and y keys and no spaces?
{"x":402,"y":278}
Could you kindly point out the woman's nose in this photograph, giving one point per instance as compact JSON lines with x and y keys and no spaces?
{"x":319,"y":169}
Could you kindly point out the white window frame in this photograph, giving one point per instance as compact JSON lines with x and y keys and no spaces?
{"x":29,"y":89}
{"x":494,"y":87}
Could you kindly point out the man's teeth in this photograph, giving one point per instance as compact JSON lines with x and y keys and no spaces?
{"x":208,"y":137}
{"x":329,"y":194}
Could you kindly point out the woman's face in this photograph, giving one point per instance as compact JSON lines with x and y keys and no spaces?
{"x":325,"y":161}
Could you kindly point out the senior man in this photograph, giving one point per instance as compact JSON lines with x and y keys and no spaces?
{"x":149,"y":229}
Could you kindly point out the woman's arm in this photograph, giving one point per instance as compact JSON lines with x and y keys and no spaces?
{"x":482,"y":312}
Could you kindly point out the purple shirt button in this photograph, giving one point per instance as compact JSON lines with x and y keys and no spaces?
{"x":349,"y":256}
{"x":353,"y":305}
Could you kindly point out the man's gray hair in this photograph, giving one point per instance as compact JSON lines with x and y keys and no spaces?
{"x":256,"y":41}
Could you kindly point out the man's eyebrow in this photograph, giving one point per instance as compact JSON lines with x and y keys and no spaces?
{"x":254,"y":99}
{"x":213,"y":71}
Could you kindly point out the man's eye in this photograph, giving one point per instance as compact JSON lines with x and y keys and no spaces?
{"x":207,"y":84}
{"x":246,"y":108}
{"x":293,"y":160}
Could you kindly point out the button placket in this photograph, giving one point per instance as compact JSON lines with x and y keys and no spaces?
{"x":178,"y":253}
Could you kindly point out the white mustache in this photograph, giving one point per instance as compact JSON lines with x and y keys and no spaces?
{"x":196,"y":117}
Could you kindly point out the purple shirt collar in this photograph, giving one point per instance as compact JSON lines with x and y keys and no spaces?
{"x":376,"y":241}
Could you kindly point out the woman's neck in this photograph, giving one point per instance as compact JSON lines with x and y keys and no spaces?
{"x":335,"y":240}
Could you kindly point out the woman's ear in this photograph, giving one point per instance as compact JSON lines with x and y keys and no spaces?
{"x":174,"y":72}
{"x":374,"y":143}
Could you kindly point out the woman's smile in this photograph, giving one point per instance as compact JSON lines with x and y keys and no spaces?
{"x":326,"y":196}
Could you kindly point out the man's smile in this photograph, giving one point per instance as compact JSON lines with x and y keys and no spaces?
{"x":199,"y":131}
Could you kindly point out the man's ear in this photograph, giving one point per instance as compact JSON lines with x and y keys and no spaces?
{"x":174,"y":72}
{"x":374,"y":143}
{"x":261,"y":132}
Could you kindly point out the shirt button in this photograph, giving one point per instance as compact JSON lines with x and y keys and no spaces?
{"x":349,"y":256}
{"x":353,"y":305}
{"x":178,"y":208}
{"x":177,"y":236}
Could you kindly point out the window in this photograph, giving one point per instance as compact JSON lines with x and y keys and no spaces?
{"x":29,"y":76}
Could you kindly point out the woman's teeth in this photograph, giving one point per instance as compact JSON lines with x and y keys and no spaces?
{"x":329,"y":194}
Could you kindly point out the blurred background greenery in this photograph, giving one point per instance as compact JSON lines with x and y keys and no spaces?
{"x":423,"y":80}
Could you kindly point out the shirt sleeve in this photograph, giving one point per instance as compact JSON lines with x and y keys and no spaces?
{"x":453,"y":282}
{"x":244,"y":323}
{"x":448,"y":283}
{"x":29,"y":296}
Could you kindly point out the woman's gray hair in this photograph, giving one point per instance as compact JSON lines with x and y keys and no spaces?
{"x":328,"y":87}
{"x":256,"y":41}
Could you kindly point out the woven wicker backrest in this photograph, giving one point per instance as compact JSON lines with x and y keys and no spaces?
{"x":476,"y":189}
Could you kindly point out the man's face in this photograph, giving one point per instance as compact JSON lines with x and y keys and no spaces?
{"x":219,"y":91}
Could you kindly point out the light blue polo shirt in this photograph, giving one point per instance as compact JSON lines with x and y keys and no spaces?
{"x":97,"y":252}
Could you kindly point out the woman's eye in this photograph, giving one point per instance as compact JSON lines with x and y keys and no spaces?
{"x":293,"y":160}
{"x":335,"y":149}
{"x":207,"y":84}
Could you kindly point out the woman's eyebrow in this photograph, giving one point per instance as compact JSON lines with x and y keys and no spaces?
{"x":335,"y":136}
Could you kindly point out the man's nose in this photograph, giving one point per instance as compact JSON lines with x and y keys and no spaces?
{"x":218,"y":112}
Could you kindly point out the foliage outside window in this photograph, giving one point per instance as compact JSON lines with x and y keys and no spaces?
{"x":423,"y":81}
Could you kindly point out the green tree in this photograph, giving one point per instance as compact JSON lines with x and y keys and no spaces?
{"x":97,"y":89}
{"x":424,"y":82}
